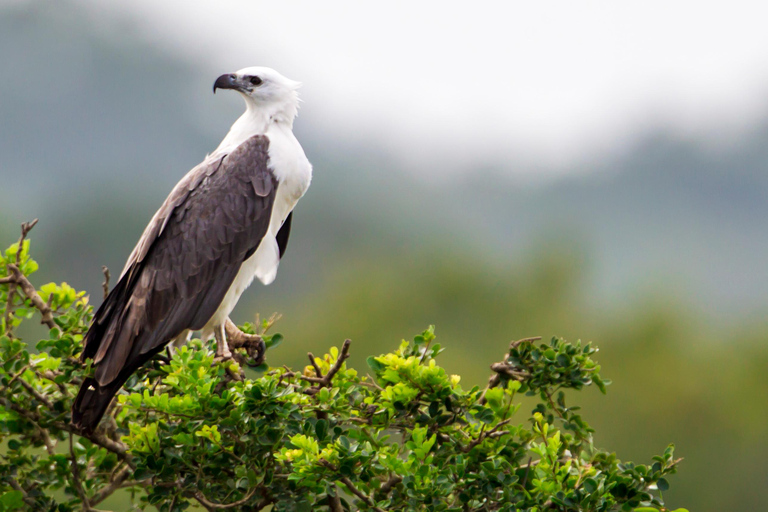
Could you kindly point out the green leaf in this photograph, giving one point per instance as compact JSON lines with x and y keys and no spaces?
{"x":321,"y":429}
{"x":375,"y":365}
{"x":12,"y":500}
{"x":273,"y":341}
{"x":662,"y":484}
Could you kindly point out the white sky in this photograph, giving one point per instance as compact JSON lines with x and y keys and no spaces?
{"x":551,"y":83}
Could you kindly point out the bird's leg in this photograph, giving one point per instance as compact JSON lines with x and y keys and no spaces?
{"x":253,"y":344}
{"x":222,"y":347}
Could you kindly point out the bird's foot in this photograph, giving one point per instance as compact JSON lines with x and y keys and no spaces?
{"x":222,"y":352}
{"x":253,"y":344}
{"x":222,"y":345}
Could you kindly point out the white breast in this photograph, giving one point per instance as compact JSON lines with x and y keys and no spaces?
{"x":293,"y":172}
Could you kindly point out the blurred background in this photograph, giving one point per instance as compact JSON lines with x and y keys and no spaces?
{"x":591,"y":170}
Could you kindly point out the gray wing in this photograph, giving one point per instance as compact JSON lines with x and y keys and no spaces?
{"x":186,"y":259}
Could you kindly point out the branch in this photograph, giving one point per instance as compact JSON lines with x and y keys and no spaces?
{"x":390,"y":484}
{"x":334,"y":502}
{"x":105,"y":284}
{"x":97,"y":438}
{"x":19,"y":279}
{"x":32,"y":391}
{"x":26,"y":227}
{"x":325,"y":381}
{"x":200,"y":497}
{"x":348,"y":483}
{"x":76,"y":477}
{"x":493,"y":433}
{"x":504,"y":368}
{"x":17,"y":487}
{"x":115,"y":484}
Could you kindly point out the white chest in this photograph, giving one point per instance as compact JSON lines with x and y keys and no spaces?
{"x":293,"y":171}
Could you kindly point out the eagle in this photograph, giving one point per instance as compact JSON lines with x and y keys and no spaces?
{"x":226,"y":222}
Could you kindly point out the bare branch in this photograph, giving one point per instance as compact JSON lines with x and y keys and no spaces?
{"x":505,"y":368}
{"x":325,"y":381}
{"x":318,"y":372}
{"x":514,"y":344}
{"x":105,"y":284}
{"x":200,"y":497}
{"x":21,"y":280}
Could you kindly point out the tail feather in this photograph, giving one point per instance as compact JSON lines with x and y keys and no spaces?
{"x":92,"y":402}
{"x":93,"y":399}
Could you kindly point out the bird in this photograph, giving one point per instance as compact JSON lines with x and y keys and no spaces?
{"x":225,"y":223}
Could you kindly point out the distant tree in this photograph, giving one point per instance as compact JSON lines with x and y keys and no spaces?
{"x":192,"y":431}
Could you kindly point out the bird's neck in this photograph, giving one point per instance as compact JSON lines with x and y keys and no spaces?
{"x":257,"y":120}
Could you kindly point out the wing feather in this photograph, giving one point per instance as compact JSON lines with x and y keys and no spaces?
{"x":186,"y":260}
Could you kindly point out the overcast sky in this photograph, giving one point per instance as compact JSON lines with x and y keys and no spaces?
{"x":549,"y":82}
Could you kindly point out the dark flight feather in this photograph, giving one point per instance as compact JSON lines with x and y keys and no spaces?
{"x":180,"y":270}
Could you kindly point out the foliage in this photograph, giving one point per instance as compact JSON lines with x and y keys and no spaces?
{"x":193,"y":430}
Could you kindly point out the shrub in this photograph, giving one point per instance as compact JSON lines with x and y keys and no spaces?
{"x":188,"y":430}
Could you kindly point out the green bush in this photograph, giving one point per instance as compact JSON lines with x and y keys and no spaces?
{"x":189,"y":431}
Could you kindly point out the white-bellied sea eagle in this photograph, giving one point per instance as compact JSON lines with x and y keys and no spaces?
{"x":226,"y":222}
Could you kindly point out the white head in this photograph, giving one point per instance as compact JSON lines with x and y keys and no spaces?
{"x":265,"y":91}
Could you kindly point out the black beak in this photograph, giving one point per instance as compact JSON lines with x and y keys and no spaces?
{"x":226,"y":82}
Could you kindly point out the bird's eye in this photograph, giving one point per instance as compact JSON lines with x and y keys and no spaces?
{"x":255,"y":80}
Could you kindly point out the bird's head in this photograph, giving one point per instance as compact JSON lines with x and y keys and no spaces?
{"x":263,"y":89}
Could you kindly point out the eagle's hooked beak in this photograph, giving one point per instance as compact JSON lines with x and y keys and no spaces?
{"x":228,"y":81}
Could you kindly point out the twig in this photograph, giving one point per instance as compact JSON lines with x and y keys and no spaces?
{"x":76,"y":477}
{"x":349,"y":485}
{"x":105,"y":284}
{"x":26,"y":227}
{"x":389,"y":485}
{"x":116,"y":482}
{"x":17,"y":487}
{"x":509,"y":370}
{"x":21,"y":280}
{"x":16,"y":376}
{"x":493,"y":433}
{"x":31,"y":390}
{"x":325,"y":381}
{"x":200,"y":497}
{"x":528,"y":470}
{"x":98,"y":438}
{"x":318,"y":372}
{"x":514,"y":344}
{"x":503,"y":367}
